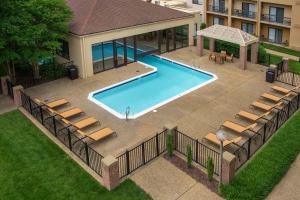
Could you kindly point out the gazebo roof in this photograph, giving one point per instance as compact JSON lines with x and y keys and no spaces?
{"x":229,"y":34}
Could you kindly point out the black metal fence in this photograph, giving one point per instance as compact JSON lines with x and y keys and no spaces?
{"x":267,"y":129}
{"x":143,"y":153}
{"x":200,"y":151}
{"x":10,"y":88}
{"x":67,"y":137}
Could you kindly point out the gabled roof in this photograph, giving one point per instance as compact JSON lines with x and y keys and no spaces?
{"x":94,"y":16}
{"x":229,"y":34}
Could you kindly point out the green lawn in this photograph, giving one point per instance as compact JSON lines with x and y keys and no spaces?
{"x":281,"y":49}
{"x":259,"y":177}
{"x":33,"y":167}
{"x":294,"y":66}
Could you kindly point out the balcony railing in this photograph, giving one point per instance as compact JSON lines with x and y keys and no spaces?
{"x":244,"y":13}
{"x":218,"y":9}
{"x":275,"y":19}
{"x":279,"y":42}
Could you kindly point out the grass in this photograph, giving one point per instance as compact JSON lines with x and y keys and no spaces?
{"x":33,"y":167}
{"x":259,"y":177}
{"x":281,"y":49}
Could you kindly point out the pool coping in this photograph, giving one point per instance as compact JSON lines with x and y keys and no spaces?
{"x":120,"y":116}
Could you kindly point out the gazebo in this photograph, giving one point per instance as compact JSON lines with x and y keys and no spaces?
{"x":232,"y":35}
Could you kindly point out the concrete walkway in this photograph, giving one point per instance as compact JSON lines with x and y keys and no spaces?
{"x":284,"y":55}
{"x":289,"y":186}
{"x":6,"y":104}
{"x":163,"y":181}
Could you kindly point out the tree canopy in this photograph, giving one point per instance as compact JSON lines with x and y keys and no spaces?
{"x":31,"y":30}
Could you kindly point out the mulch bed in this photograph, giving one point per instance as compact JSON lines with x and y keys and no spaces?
{"x":193,"y":172}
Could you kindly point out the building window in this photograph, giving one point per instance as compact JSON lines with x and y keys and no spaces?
{"x":198,"y":2}
{"x":276,"y":14}
{"x":64,"y":51}
{"x":275,"y":35}
{"x":247,"y":27}
{"x":218,"y":20}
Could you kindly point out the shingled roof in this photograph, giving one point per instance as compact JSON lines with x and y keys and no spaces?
{"x":94,"y":16}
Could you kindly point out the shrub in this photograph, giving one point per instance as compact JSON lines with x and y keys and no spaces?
{"x":189,"y":155}
{"x":202,"y":26}
{"x":52,"y":71}
{"x":262,"y":55}
{"x":170,"y":143}
{"x":228,"y":47}
{"x":210,"y":168}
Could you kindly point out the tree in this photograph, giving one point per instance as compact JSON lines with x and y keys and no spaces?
{"x":32,"y":31}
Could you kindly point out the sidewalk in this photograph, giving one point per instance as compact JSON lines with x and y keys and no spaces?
{"x":289,"y":186}
{"x":6,"y":104}
{"x":284,"y":55}
{"x":163,"y":181}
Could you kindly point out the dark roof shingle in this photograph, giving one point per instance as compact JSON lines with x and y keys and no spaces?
{"x":94,"y":16}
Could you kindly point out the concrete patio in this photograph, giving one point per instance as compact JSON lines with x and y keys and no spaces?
{"x":196,"y":113}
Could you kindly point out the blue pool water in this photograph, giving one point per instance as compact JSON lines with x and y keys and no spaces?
{"x":143,"y":94}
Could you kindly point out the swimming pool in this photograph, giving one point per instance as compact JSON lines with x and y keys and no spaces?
{"x":136,"y":96}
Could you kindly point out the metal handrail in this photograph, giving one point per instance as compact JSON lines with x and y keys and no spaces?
{"x":244,"y":13}
{"x":274,"y":19}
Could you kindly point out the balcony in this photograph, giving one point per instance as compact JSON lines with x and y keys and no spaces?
{"x":278,"y":42}
{"x":244,"y":14}
{"x":274,"y":19}
{"x":217,"y":9}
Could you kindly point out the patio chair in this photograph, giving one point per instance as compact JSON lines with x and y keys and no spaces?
{"x":274,"y":98}
{"x":212,"y":56}
{"x":284,"y":90}
{"x":213,"y":138}
{"x":265,"y":107}
{"x":251,"y":116}
{"x":66,"y":114}
{"x":97,"y":135}
{"x":238,"y":128}
{"x":82,"y":123}
{"x":229,"y":58}
{"x":52,"y":104}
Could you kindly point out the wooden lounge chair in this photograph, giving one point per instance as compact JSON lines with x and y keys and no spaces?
{"x":213,"y":138}
{"x":52,"y":104}
{"x":238,"y":128}
{"x":82,"y":123}
{"x":97,"y":135}
{"x":284,"y":90}
{"x":68,"y":113}
{"x":251,"y":116}
{"x":229,"y":58}
{"x":274,"y":98}
{"x":264,"y":106}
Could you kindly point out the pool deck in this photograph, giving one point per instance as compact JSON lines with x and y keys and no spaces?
{"x":196,"y":113}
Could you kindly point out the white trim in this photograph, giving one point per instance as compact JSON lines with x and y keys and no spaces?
{"x":117,"y":114}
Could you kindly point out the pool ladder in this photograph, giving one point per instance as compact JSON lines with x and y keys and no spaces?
{"x":127,"y":112}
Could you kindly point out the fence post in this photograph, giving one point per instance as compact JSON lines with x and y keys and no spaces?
{"x":54,"y":126}
{"x":4,"y":85}
{"x":157,"y":145}
{"x":265,"y":129}
{"x":87,"y":154}
{"x":285,"y":64}
{"x":172,"y":129}
{"x":30,"y":105}
{"x":249,"y":147}
{"x":143,"y":152}
{"x":293,"y":79}
{"x":197,"y":142}
{"x":69,"y":138}
{"x":228,"y":167}
{"x":127,"y":162}
{"x":298,"y":101}
{"x":110,"y":172}
{"x":277,"y":120}
{"x":42,"y":115}
{"x":17,"y":95}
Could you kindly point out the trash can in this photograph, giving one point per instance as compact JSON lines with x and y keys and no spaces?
{"x":72,"y":72}
{"x":270,"y":76}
